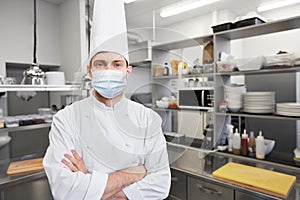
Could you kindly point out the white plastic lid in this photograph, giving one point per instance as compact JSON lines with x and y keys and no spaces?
{"x":244,"y":135}
{"x":260,"y":136}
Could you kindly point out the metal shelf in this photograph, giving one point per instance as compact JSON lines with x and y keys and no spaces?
{"x":179,"y":109}
{"x":261,"y":116}
{"x":15,"y":88}
{"x":262,"y":71}
{"x":165,"y":77}
{"x":25,"y":128}
{"x":261,"y":29}
{"x":145,"y":63}
{"x":184,"y":43}
{"x":197,"y":75}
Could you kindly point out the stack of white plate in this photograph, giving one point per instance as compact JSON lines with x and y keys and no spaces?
{"x":288,"y":109}
{"x":259,"y":102}
{"x":234,"y":97}
{"x":55,"y":78}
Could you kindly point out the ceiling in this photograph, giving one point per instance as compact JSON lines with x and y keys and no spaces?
{"x":142,"y":12}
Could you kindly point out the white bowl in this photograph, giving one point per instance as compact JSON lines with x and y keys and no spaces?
{"x":162,"y":104}
{"x":234,"y":109}
{"x":269,"y":145}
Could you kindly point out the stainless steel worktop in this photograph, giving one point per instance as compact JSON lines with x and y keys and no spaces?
{"x":191,"y":161}
{"x":8,"y":181}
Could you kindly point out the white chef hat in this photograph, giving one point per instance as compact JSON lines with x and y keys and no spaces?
{"x":109,"y":32}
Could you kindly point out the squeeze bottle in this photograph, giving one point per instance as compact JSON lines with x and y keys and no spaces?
{"x":245,"y":143}
{"x":229,"y":138}
{"x":236,"y":143}
{"x":260,"y":146}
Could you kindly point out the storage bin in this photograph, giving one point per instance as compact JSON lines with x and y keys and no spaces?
{"x":246,"y":64}
{"x":279,"y":60}
{"x":223,"y":27}
{"x":226,"y":66}
{"x":248,"y":22}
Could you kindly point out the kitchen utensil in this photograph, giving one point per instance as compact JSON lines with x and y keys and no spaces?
{"x":10,"y":81}
{"x":33,"y":76}
{"x":25,"y":166}
{"x":262,"y":180}
{"x":5,"y":139}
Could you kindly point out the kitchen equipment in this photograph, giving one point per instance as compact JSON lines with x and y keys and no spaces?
{"x":10,"y":81}
{"x":11,"y":122}
{"x":25,"y":166}
{"x":247,"y":64}
{"x":269,"y":145}
{"x":5,"y":139}
{"x":223,"y":27}
{"x":196,"y":98}
{"x":174,"y":137}
{"x":33,"y":76}
{"x":44,"y":111}
{"x":226,"y":65}
{"x":262,"y":180}
{"x":259,"y":102}
{"x":288,"y":109}
{"x":248,"y":22}
{"x":162,"y":104}
{"x":234,"y":97}
{"x":279,"y":60}
{"x":55,"y":78}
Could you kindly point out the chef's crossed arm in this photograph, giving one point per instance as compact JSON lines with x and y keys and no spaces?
{"x":116,"y":180}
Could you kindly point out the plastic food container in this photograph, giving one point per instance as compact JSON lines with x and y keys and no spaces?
{"x":44,"y":111}
{"x":246,"y":64}
{"x":208,"y":68}
{"x":248,"y":22}
{"x":55,"y":78}
{"x":226,"y":66}
{"x":279,"y":60}
{"x":11,"y":122}
{"x":223,"y":27}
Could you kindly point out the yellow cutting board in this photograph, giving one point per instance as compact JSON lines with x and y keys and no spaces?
{"x":262,"y":180}
{"x":25,"y":166}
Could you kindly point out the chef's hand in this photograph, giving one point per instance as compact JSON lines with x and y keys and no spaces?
{"x":76,"y":163}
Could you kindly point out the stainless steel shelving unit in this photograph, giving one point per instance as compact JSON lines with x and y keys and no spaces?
{"x":293,"y":69}
{"x":25,"y":128}
{"x":262,"y":116}
{"x":265,"y":81}
{"x":43,"y":88}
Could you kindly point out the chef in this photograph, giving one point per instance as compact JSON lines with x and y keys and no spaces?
{"x":106,"y":146}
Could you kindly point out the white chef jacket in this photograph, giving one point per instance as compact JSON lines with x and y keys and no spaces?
{"x":108,"y":139}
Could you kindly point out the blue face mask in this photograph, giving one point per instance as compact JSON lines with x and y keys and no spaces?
{"x":109,"y":83}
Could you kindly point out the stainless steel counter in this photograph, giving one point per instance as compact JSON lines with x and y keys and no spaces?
{"x":8,"y":181}
{"x":191,"y":162}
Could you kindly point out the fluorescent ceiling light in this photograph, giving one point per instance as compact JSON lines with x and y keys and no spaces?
{"x":274,"y":5}
{"x":129,"y":1}
{"x":176,"y":9}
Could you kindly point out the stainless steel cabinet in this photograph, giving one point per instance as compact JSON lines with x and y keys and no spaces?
{"x":199,"y":189}
{"x":33,"y":190}
{"x":178,"y":186}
